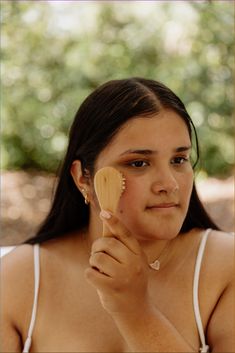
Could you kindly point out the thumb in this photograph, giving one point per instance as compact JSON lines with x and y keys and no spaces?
{"x":113,"y":223}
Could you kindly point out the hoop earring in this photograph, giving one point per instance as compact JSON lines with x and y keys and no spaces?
{"x":85,"y":195}
{"x":87,"y":201}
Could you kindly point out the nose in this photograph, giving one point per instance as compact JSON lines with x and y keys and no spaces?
{"x":164,"y":182}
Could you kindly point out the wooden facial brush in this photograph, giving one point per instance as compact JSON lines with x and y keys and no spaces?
{"x":109,"y":186}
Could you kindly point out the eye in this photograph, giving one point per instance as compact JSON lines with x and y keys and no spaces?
{"x":179,"y":160}
{"x":138,"y":164}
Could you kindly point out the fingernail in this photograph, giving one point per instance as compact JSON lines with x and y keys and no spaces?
{"x":105,"y":214}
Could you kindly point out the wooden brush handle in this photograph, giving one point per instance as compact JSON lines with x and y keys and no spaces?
{"x":106,"y":231}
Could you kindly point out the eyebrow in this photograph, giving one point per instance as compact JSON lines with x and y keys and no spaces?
{"x":150,"y":152}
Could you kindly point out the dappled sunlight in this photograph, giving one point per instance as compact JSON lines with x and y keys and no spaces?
{"x":26,"y":199}
{"x":74,"y":46}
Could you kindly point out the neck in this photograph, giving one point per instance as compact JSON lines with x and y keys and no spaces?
{"x":154,"y":248}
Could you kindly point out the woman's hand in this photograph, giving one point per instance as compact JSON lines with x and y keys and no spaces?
{"x":119,"y":269}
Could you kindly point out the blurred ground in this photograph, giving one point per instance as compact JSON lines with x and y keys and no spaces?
{"x":26,"y":197}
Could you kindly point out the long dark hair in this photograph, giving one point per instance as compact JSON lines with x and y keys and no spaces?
{"x":98,"y":119}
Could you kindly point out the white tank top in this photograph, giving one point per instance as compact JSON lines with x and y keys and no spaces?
{"x":204,"y":347}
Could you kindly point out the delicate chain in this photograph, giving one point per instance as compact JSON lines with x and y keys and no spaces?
{"x":156,"y":264}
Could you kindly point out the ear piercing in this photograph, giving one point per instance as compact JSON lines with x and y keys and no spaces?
{"x":85,"y":195}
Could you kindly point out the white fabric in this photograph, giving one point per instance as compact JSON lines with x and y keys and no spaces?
{"x":4,"y":250}
{"x":35,"y":302}
{"x":205,"y":347}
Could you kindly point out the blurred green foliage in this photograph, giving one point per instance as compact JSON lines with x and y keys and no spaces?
{"x":50,"y":65}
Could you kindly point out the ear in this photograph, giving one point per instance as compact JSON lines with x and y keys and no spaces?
{"x":81,"y":180}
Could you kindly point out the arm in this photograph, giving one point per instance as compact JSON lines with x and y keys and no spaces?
{"x":221,"y":328}
{"x":16,"y":297}
{"x":120,"y":272}
{"x":151,"y":331}
{"x":10,"y":338}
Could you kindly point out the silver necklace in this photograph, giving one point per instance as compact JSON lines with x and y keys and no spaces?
{"x":156,"y":264}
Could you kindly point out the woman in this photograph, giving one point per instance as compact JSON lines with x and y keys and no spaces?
{"x":138,"y":289}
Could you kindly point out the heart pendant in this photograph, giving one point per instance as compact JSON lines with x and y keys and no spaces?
{"x":155,"y":265}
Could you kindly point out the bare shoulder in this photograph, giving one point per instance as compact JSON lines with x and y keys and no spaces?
{"x":224,"y":239}
{"x":220,"y":253}
{"x":17,"y":263}
{"x":17,"y":279}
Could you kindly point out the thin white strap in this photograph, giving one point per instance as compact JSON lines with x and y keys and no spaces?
{"x":201,"y":249}
{"x":35,"y":302}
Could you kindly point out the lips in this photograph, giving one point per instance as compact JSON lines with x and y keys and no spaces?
{"x":164,"y":205}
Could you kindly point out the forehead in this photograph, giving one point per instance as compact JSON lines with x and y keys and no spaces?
{"x":164,"y":127}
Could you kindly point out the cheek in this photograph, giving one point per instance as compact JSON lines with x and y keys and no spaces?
{"x":186,"y":185}
{"x":132,"y":196}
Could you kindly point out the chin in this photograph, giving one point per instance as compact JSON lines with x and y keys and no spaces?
{"x":166,"y":232}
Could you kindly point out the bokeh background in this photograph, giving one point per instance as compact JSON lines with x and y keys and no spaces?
{"x":54,"y":53}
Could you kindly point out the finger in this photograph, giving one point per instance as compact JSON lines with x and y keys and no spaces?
{"x":96,"y":278}
{"x":113,"y":247}
{"x":104,"y":263}
{"x":120,"y":231}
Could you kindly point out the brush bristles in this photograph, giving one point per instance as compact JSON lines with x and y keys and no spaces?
{"x":109,"y":185}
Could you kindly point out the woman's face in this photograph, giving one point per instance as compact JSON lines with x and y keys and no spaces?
{"x":153,"y":154}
